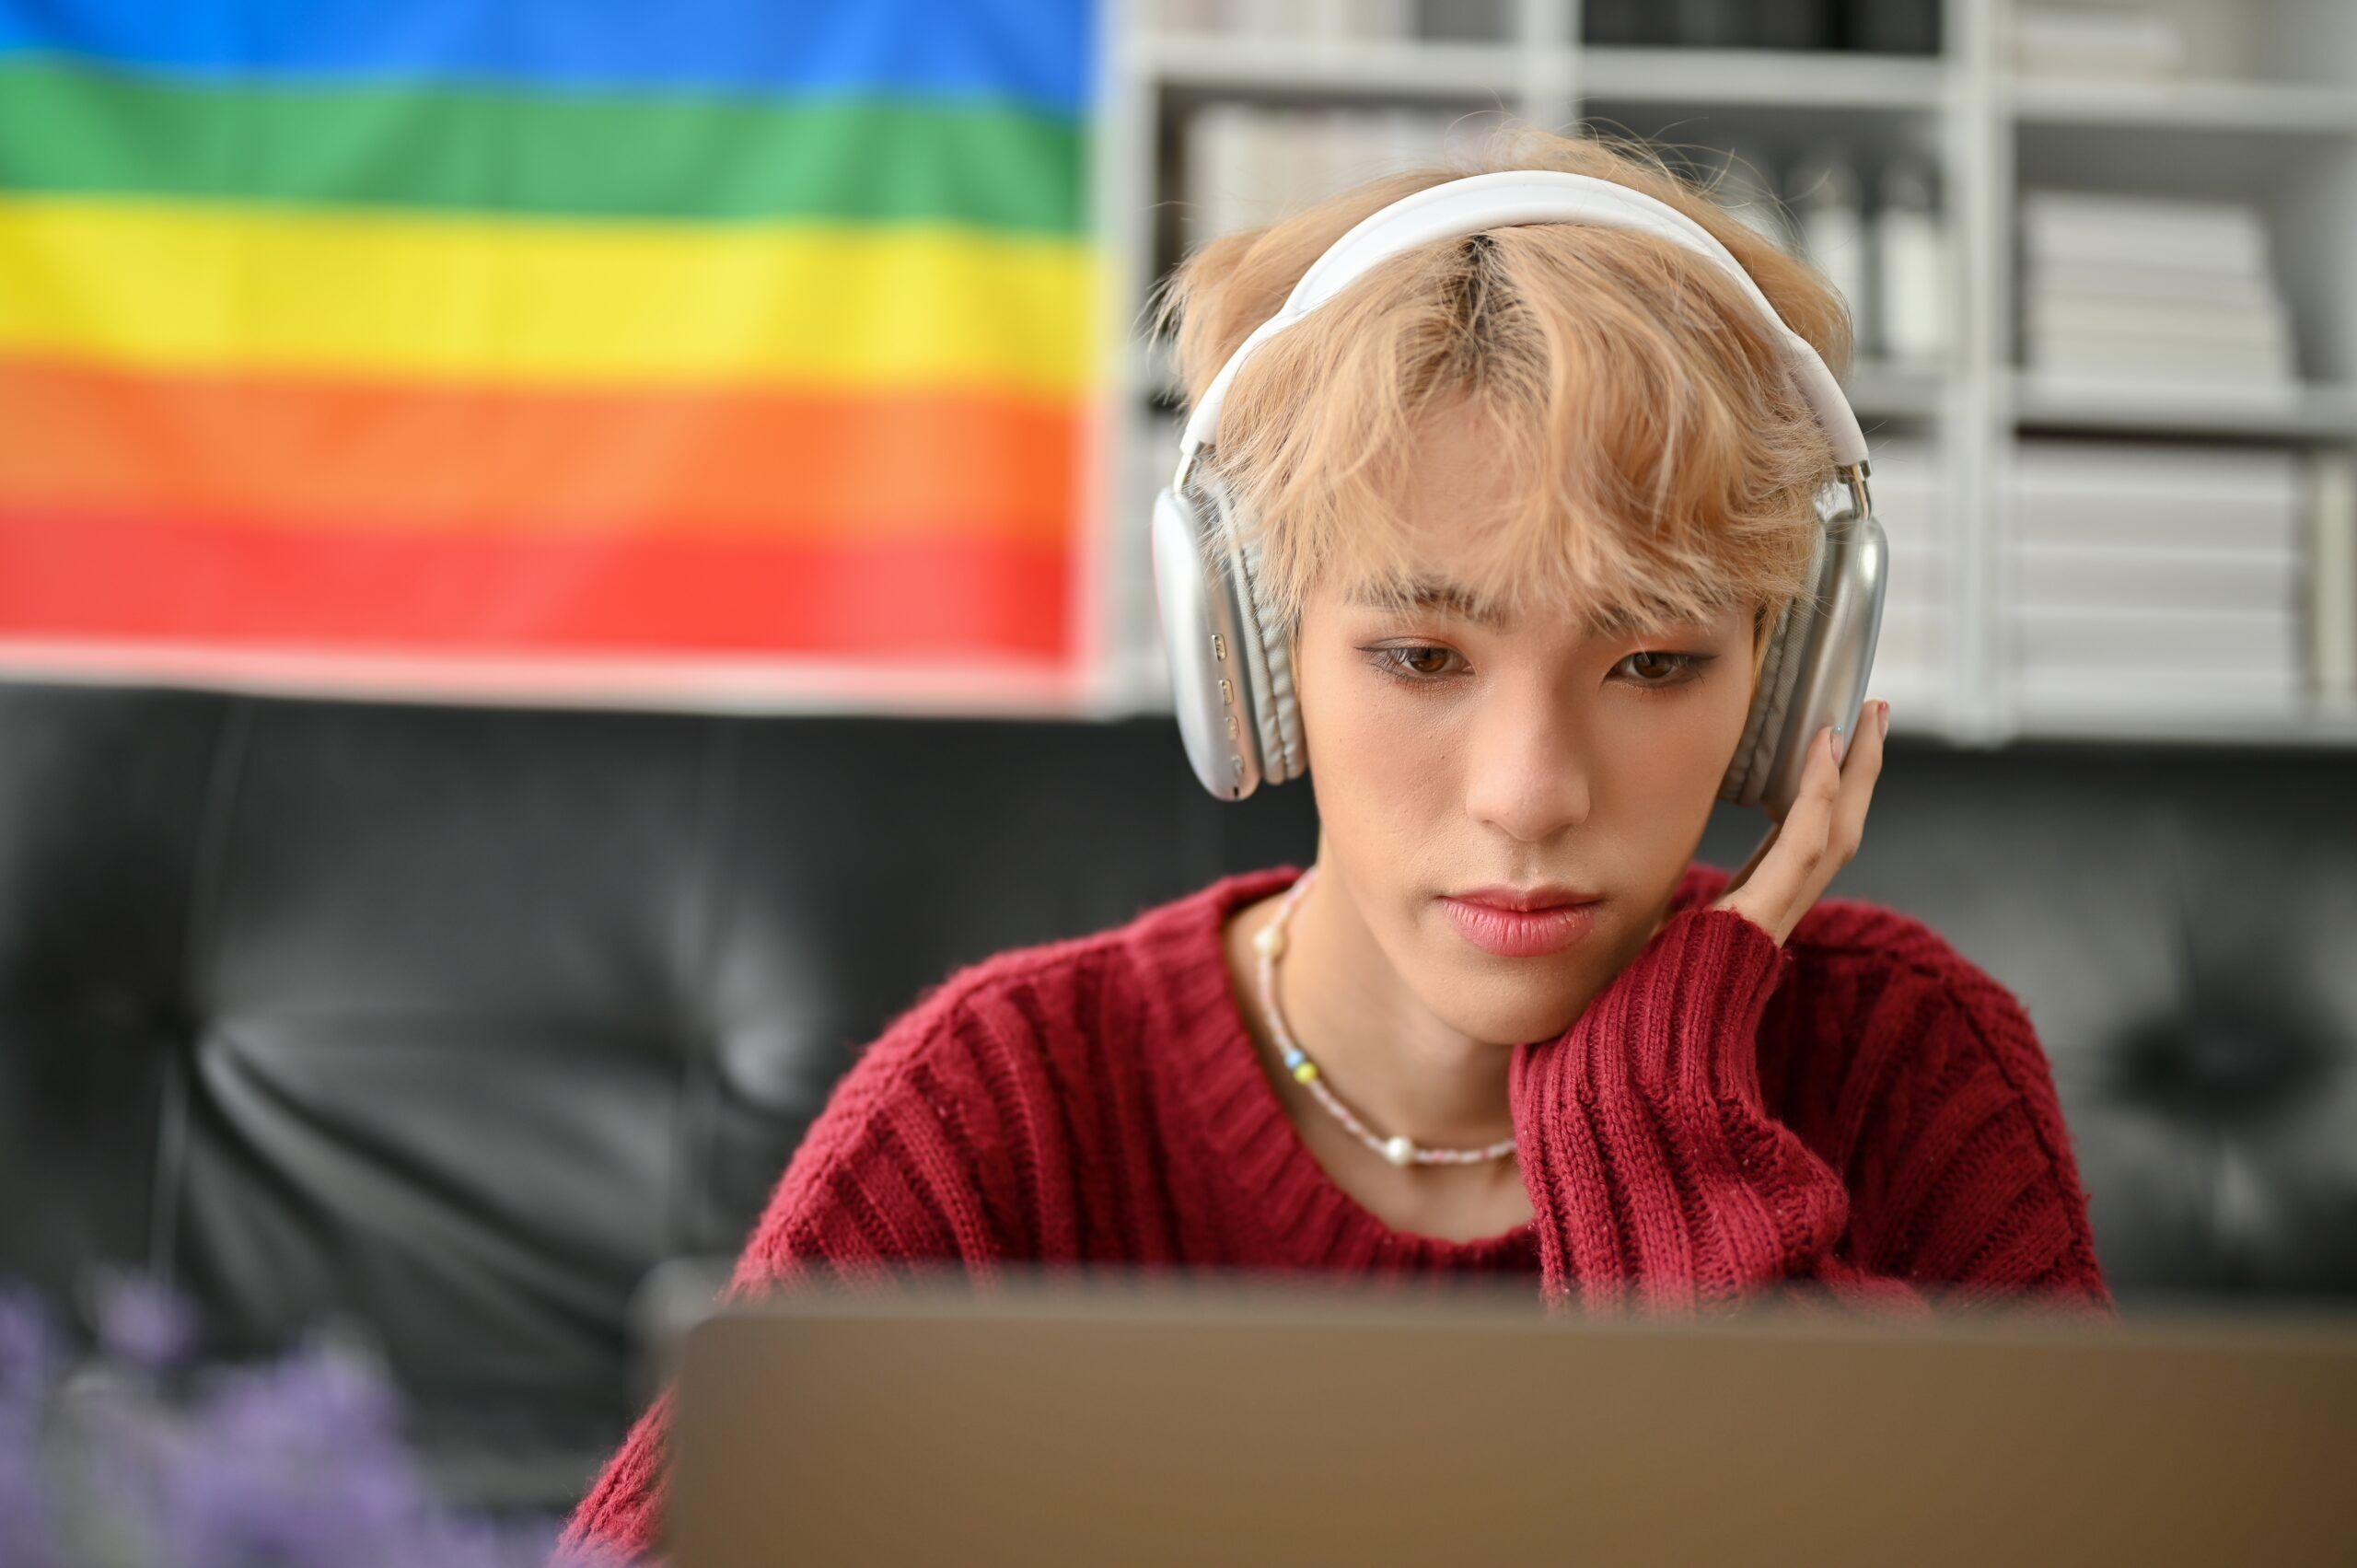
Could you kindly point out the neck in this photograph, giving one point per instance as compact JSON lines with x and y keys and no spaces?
{"x":1402,"y":1069}
{"x":1389,"y":1058}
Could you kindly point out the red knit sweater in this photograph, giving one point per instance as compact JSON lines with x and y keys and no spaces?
{"x":1860,"y":1108}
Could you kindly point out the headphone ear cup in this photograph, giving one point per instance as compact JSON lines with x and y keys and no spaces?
{"x":1216,"y":668}
{"x":1275,"y":711}
{"x":1757,"y":755}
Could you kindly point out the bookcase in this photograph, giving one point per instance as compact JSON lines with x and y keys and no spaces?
{"x":2134,"y":556}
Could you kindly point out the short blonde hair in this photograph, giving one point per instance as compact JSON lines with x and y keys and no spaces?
{"x":1660,"y":461}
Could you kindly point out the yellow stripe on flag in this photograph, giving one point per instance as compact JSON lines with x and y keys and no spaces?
{"x":340,"y":292}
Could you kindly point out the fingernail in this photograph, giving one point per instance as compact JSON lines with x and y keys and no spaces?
{"x":1883,"y":717}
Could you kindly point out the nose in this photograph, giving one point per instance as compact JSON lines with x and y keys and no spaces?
{"x":1526,"y":764}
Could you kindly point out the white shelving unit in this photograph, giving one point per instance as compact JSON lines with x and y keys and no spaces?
{"x":2273,"y":119}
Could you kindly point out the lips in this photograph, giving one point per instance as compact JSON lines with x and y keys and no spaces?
{"x":1526,"y":933}
{"x":1546,"y":895}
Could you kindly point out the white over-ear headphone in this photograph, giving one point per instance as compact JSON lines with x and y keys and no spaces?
{"x":1232,"y":685}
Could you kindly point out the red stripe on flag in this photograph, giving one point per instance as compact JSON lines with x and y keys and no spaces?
{"x":82,"y":574}
{"x":747,"y":463}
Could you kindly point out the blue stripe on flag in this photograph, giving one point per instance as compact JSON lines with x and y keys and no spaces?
{"x":1037,"y":53}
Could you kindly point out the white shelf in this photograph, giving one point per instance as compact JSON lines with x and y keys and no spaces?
{"x":1419,"y":70}
{"x":2305,"y":413}
{"x":1763,"y":77}
{"x":2290,"y":148}
{"x":2274,"y":108}
{"x":1879,"y":390}
{"x":1750,"y":77}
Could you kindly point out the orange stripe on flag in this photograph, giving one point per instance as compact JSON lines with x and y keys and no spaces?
{"x":86,"y":574}
{"x":355,"y":457}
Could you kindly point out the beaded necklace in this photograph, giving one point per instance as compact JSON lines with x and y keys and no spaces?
{"x":1400,"y":1149}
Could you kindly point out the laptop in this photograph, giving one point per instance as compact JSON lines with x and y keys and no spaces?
{"x":1140,"y":1419}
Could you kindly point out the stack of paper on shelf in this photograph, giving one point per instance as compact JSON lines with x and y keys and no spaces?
{"x":1912,"y":654}
{"x":1292,"y":18}
{"x":2162,"y":578}
{"x":2332,"y":575}
{"x":2113,"y":43}
{"x":2131,"y":293}
{"x":1251,"y":164}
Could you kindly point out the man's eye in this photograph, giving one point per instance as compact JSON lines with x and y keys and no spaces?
{"x":1414,"y":664}
{"x":1651,"y":670}
{"x":1659,"y":670}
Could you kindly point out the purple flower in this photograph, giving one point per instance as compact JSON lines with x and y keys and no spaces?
{"x":28,"y":1342}
{"x":143,"y":1323}
{"x":29,"y":1355}
{"x":294,"y":1463}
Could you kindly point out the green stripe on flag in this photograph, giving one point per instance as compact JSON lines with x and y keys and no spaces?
{"x":71,"y":127}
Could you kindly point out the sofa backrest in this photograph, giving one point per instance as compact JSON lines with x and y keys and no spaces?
{"x":455,"y":1021}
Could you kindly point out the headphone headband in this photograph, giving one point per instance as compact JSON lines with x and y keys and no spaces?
{"x":1457,"y":209}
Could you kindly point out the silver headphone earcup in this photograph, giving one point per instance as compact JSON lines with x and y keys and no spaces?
{"x":1817,"y":665}
{"x":1758,"y":755}
{"x":1212,"y":687}
{"x":1274,"y":709}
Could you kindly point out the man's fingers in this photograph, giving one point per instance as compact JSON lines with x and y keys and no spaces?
{"x":1791,"y":866}
{"x":1759,"y":853}
{"x":1801,"y":842}
{"x":1860,"y":771}
{"x":1787,"y":857}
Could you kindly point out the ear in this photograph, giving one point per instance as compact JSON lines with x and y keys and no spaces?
{"x":1763,"y":620}
{"x":1292,"y":662}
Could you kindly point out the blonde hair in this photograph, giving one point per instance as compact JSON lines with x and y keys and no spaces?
{"x":1660,"y":463}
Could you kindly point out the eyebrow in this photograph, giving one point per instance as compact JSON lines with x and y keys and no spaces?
{"x":1444,"y":597}
{"x":1604,"y":621}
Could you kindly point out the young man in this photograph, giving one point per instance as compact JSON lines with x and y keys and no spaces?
{"x":1529,"y":502}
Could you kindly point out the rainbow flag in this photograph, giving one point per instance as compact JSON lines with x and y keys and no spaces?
{"x":534,"y":329}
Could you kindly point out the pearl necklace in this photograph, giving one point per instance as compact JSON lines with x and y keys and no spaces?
{"x":1400,"y":1150}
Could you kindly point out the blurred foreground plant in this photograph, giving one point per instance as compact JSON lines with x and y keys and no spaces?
{"x":135,"y":1456}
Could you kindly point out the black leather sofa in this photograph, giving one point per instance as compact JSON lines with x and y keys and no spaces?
{"x":452,"y":1022}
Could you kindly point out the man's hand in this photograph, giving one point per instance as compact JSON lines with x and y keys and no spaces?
{"x":1800,"y":857}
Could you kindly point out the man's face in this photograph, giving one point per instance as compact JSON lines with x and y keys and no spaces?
{"x":1448,"y":753}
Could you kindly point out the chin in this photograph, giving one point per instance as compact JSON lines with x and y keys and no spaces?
{"x":1485,"y":1007}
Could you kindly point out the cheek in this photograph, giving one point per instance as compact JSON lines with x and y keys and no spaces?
{"x":1675,"y":745}
{"x":1376,"y":754}
{"x":1681,"y":747}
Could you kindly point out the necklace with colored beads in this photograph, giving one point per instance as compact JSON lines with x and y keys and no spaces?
{"x":1400,"y":1150}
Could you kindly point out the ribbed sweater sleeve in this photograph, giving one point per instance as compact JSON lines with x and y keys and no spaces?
{"x":1660,"y":1180}
{"x":903,"y":1165}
